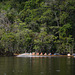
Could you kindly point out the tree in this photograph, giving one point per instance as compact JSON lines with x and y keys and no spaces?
{"x":8,"y":42}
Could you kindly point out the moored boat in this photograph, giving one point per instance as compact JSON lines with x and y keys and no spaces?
{"x":73,"y":55}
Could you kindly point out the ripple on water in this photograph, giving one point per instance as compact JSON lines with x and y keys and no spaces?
{"x":5,"y":74}
{"x":42,"y":72}
{"x":58,"y":70}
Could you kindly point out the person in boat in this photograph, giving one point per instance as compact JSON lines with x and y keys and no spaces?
{"x":37,"y":53}
{"x":68,"y":54}
{"x":45,"y":54}
{"x":33,"y":53}
{"x":49,"y":54}
{"x":30,"y":53}
{"x":41,"y":53}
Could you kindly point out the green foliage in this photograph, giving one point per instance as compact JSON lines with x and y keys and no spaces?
{"x":8,"y":41}
{"x":66,"y":30}
{"x":37,"y":25}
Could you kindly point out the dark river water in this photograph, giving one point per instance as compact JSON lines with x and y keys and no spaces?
{"x":37,"y":66}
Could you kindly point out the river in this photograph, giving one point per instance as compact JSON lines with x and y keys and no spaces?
{"x":37,"y":66}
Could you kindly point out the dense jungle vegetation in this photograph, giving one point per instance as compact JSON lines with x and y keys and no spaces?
{"x":37,"y":25}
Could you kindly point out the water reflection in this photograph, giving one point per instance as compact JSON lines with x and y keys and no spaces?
{"x":37,"y":66}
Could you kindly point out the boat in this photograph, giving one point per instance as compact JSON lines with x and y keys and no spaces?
{"x":30,"y":55}
{"x":33,"y":54}
{"x":73,"y":55}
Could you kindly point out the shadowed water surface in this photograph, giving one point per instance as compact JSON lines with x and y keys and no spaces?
{"x":37,"y":66}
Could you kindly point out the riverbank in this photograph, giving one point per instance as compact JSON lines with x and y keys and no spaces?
{"x":30,"y":55}
{"x":33,"y":55}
